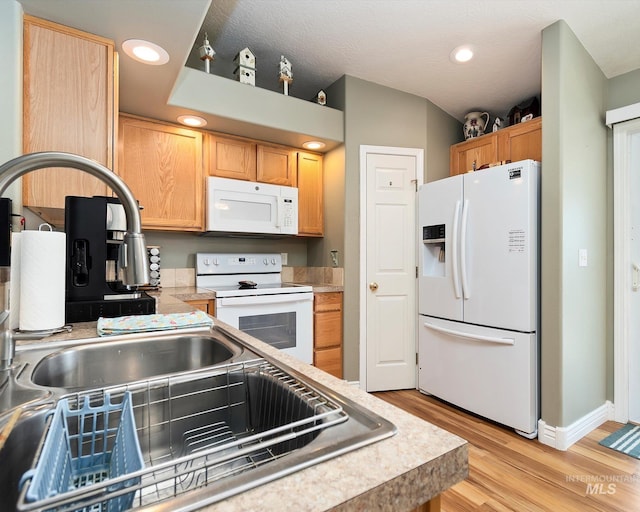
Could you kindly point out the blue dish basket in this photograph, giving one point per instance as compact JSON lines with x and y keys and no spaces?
{"x":86,"y":446}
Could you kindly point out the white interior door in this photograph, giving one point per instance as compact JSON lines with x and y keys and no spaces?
{"x":627,"y":271}
{"x":390,"y":183}
{"x":634,"y":304}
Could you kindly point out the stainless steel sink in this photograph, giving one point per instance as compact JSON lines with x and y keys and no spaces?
{"x":108,"y":363}
{"x":19,"y":451}
{"x":205,"y":434}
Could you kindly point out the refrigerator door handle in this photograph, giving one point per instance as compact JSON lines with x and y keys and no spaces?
{"x":469,"y":336}
{"x":454,"y":251}
{"x":466,"y":292}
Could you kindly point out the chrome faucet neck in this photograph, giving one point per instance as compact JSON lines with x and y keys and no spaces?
{"x":133,"y":255}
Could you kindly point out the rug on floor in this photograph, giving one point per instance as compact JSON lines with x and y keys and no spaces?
{"x":625,"y":440}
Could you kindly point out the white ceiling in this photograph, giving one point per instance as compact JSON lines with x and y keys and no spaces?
{"x":403,"y":44}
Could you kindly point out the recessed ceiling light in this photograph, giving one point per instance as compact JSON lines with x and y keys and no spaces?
{"x":190,"y":120}
{"x":462,"y":53}
{"x":145,"y":51}
{"x":313,"y":144}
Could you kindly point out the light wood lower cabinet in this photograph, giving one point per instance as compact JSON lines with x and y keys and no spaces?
{"x":70,"y":103}
{"x":206,"y":305}
{"x":327,"y":332}
{"x":162,"y":165}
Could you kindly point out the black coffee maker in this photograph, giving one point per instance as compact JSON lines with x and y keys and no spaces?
{"x":95,"y":228}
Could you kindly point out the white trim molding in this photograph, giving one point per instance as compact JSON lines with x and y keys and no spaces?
{"x":622,"y":114}
{"x":561,"y":438}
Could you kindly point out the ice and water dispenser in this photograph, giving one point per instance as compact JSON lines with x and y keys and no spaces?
{"x":433,"y":250}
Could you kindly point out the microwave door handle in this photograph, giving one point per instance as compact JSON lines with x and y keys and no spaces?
{"x":279,"y":211}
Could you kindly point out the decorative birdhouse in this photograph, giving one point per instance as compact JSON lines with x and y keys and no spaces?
{"x":285,"y":75}
{"x":206,"y":53}
{"x":321,"y":97}
{"x":245,"y":71}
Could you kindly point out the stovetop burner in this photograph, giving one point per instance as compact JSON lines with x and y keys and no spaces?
{"x":247,"y":285}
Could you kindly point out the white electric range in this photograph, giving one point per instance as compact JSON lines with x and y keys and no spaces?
{"x":250,"y":296}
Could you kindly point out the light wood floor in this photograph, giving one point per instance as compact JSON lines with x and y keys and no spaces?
{"x":510,"y":473}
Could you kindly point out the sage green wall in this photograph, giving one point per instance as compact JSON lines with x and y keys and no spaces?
{"x":379,"y":116}
{"x":178,"y":249}
{"x":574,"y":333}
{"x":334,"y":168}
{"x":442,"y":132}
{"x":11,"y":90}
{"x":624,"y":90}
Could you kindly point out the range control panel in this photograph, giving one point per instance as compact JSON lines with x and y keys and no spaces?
{"x":235,"y":263}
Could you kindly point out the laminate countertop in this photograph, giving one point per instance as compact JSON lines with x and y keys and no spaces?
{"x":396,"y":474}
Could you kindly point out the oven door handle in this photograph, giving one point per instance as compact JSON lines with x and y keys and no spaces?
{"x":263,"y":300}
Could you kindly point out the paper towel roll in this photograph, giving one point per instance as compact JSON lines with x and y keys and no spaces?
{"x":42,"y":280}
{"x":14,"y":281}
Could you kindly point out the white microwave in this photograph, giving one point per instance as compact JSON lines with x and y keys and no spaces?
{"x":236,"y":206}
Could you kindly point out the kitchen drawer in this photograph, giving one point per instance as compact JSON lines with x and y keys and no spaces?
{"x":329,"y":360}
{"x":327,"y":327}
{"x":328,"y":301}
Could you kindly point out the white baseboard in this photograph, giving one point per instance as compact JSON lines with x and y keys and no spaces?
{"x":561,"y":438}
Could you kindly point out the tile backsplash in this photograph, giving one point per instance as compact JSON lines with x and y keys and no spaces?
{"x":177,"y":277}
{"x":315,"y":275}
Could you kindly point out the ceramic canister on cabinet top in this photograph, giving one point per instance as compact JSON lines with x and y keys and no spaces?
{"x":474,"y":124}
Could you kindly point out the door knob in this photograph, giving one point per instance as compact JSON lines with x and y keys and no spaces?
{"x":373,"y":286}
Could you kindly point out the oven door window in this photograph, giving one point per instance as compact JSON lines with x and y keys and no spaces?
{"x":276,"y":329}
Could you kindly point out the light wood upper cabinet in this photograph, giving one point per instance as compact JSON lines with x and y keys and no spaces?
{"x":521,"y":141}
{"x":518,"y":142}
{"x":228,"y":157}
{"x":162,"y":164}
{"x":310,"y":198}
{"x":276,"y":164}
{"x":69,"y":103}
{"x":245,"y":159}
{"x":480,"y":150}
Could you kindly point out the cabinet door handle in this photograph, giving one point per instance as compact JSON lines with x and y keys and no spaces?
{"x":635,"y":280}
{"x":373,"y":286}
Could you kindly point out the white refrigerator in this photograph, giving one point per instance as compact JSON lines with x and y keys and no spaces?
{"x":478,"y":304}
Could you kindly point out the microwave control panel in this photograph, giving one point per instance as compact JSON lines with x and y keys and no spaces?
{"x":289,"y":213}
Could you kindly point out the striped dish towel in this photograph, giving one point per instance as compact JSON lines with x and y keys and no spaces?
{"x":157,"y":322}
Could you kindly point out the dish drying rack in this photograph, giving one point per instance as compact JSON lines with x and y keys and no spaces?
{"x":199,"y":427}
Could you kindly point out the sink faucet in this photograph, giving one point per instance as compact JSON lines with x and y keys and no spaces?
{"x":133,"y":254}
